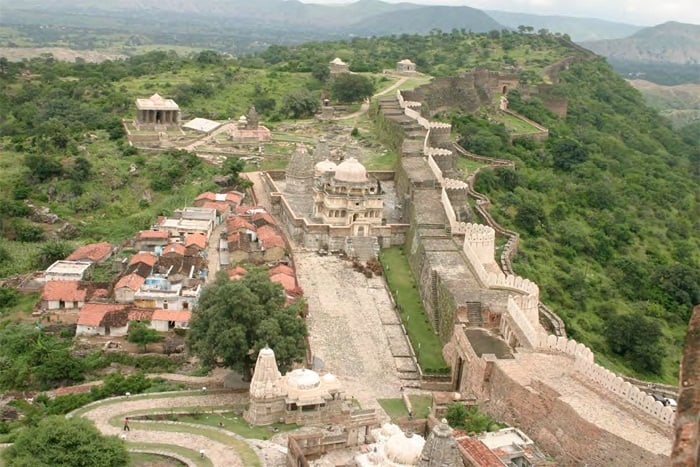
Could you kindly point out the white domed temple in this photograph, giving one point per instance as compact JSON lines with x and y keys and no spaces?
{"x":301,"y":396}
{"x":336,"y":205}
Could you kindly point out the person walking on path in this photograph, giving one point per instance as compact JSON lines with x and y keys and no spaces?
{"x":126,"y":424}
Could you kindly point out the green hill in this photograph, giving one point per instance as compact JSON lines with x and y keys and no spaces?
{"x":608,"y":207}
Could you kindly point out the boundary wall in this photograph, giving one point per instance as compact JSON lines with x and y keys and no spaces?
{"x":479,"y":241}
{"x":606,"y":380}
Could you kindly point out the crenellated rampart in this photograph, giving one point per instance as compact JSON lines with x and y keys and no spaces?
{"x":462,"y":285}
{"x":607,"y":380}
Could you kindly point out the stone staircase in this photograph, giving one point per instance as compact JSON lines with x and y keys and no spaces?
{"x":474,"y":314}
{"x":363,"y":248}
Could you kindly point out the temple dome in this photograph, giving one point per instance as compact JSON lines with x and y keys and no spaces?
{"x":352,"y":171}
{"x":403,"y":449}
{"x":303,"y":379}
{"x":324,"y":167}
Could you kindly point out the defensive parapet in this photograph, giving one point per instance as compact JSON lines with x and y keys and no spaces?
{"x":482,"y":239}
{"x":607,"y":381}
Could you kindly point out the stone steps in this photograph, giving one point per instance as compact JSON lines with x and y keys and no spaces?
{"x":363,"y":248}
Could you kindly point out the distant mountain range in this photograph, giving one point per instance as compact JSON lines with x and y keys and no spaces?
{"x":579,"y":29}
{"x":670,"y":42}
{"x":363,"y":18}
{"x":667,"y":54}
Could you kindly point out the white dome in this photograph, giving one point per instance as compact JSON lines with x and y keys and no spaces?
{"x":350,"y":170}
{"x":303,"y":379}
{"x":324,"y":167}
{"x":404,"y":449}
{"x":329,"y":378}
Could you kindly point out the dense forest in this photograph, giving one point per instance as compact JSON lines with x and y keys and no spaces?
{"x":609,"y":212}
{"x":608,"y":207}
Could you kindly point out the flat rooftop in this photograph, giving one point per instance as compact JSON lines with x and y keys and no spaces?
{"x":483,"y":342}
{"x":68,"y":267}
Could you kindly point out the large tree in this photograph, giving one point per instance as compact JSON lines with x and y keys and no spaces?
{"x":140,"y":333}
{"x":235,"y":319}
{"x":69,"y":442}
{"x":351,"y":87}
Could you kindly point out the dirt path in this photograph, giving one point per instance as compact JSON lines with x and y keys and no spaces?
{"x":220,"y":454}
{"x":365,"y":105}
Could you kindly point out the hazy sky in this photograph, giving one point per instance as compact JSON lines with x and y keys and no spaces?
{"x":641,"y":12}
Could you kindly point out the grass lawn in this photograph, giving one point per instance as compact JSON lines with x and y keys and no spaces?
{"x":516,"y":125}
{"x":139,"y":458}
{"x":385,"y":161}
{"x":193,"y":456}
{"x":396,"y":409}
{"x":233,"y":422}
{"x":247,"y":455}
{"x":468,"y":165}
{"x":425,"y":342}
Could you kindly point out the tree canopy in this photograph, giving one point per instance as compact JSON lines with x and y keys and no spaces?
{"x":68,"y":442}
{"x":235,"y":319}
{"x":140,"y":333}
{"x":351,"y":87}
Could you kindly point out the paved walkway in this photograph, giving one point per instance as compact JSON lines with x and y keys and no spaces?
{"x":213,"y":252}
{"x":345,"y":326}
{"x":219,"y":453}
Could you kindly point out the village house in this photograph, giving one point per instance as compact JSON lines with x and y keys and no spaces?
{"x":127,"y":286}
{"x":195,"y":243}
{"x":67,"y":271}
{"x":108,"y":319}
{"x":160,"y":292}
{"x":272,"y":244}
{"x":232,"y":198}
{"x":94,"y":252}
{"x":142,"y":264}
{"x":63,"y":295}
{"x":103,"y":319}
{"x":149,"y":240}
{"x":173,"y":250}
{"x":167,"y":320}
{"x":178,"y":228}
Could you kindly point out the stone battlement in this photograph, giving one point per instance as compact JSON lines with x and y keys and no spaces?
{"x":606,"y":380}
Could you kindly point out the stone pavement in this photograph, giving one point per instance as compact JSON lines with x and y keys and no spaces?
{"x":345,"y":326}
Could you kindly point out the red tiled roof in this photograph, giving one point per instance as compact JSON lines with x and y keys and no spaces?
{"x":207,"y":195}
{"x":131,"y":281}
{"x":174,"y":248}
{"x":140,"y":314}
{"x":181,"y":316}
{"x":92,"y":314}
{"x":68,"y":291}
{"x":479,"y":452}
{"x":152,"y":234}
{"x":234,"y":197}
{"x":220,"y":206}
{"x":281,"y":269}
{"x":238,"y":223}
{"x":263,"y":218}
{"x":288,"y":282}
{"x":236,"y":273}
{"x":196,"y":239}
{"x":145,"y":258}
{"x":269,"y":238}
{"x":94,"y":252}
